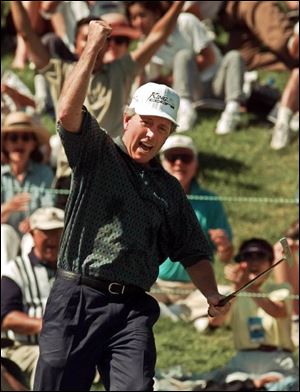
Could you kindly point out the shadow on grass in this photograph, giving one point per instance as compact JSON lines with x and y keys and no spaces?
{"x":210,"y":163}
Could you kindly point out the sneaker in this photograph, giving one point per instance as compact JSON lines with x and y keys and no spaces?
{"x":228,"y":123}
{"x":294,"y":123}
{"x":180,"y":310}
{"x":201,"y":324}
{"x":250,"y":80}
{"x":272,"y":116}
{"x":186,"y":116}
{"x":280,"y":137}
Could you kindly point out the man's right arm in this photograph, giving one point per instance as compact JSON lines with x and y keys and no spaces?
{"x":75,"y":87}
{"x":37,"y":52}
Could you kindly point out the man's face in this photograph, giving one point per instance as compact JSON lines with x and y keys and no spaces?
{"x":144,"y":136}
{"x":19,"y":146}
{"x":255,"y":263}
{"x":117,"y":47}
{"x":182,"y":164}
{"x":46,"y":245}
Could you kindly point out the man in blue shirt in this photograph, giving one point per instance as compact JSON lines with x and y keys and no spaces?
{"x":179,"y":158}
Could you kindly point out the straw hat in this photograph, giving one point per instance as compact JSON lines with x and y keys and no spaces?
{"x":23,"y":122}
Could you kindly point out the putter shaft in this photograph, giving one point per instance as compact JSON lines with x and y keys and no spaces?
{"x":224,"y":301}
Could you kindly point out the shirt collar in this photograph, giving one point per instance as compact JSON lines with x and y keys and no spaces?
{"x":6,"y":169}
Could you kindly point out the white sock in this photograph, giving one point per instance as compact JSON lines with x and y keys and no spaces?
{"x":232,"y":107}
{"x":284,"y":115}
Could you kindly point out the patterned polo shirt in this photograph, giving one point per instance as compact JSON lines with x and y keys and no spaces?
{"x":123,"y":220}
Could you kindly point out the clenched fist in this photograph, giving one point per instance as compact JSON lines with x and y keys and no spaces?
{"x":98,"y":33}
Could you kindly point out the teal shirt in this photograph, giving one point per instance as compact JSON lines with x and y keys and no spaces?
{"x":211,"y":215}
{"x":122,"y":220}
{"x":37,"y":181}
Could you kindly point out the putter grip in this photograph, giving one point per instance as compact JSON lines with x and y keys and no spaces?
{"x":224,"y":301}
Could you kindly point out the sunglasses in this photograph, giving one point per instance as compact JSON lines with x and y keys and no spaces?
{"x":185,"y":158}
{"x":119,"y":40}
{"x":25,"y":137}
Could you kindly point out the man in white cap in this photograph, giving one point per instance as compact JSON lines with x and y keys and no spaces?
{"x":179,"y":158}
{"x":124,"y":216}
{"x":25,"y":287}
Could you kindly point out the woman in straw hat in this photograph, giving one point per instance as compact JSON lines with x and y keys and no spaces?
{"x":24,"y":178}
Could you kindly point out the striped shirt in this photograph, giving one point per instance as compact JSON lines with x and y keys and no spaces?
{"x":25,"y":287}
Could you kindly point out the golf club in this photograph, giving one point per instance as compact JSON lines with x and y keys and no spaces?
{"x":287,"y":256}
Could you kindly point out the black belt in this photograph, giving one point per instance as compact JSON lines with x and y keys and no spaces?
{"x":105,"y":286}
{"x":268,"y":348}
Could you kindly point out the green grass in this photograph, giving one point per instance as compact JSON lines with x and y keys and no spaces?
{"x":241,"y":164}
{"x":236,"y":165}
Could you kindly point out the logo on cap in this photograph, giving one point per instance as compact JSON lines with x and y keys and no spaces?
{"x":157,"y":98}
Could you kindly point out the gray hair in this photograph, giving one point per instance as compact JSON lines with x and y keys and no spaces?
{"x":131,"y":112}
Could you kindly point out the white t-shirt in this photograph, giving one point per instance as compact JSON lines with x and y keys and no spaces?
{"x":209,"y":9}
{"x":190,"y":33}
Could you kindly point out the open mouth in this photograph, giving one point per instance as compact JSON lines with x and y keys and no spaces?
{"x":145,"y":147}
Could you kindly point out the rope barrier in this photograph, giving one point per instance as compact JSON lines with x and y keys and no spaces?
{"x":245,"y":199}
{"x":157,"y":290}
{"x":238,"y":199}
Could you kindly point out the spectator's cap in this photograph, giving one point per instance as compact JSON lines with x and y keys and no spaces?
{"x":47,"y":218}
{"x":23,"y":122}
{"x":120,"y":25}
{"x":255,"y":245}
{"x":179,"y":141}
{"x":153,"y":99}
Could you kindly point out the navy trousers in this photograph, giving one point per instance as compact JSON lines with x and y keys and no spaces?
{"x":84,"y":328}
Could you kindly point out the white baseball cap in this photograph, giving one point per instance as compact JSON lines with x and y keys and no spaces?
{"x":47,"y":218}
{"x":179,"y":141}
{"x":153,"y":99}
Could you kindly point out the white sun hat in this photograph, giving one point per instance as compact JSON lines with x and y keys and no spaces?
{"x":179,"y":141}
{"x":153,"y":99}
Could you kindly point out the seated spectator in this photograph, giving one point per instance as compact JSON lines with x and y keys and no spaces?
{"x":24,"y":179}
{"x":266,"y":39}
{"x":179,"y":158}
{"x":260,"y":321}
{"x":191,"y":62}
{"x":25,"y":286}
{"x":284,"y":273}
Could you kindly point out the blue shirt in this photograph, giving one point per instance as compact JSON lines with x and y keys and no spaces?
{"x":38,"y":178}
{"x":211,"y":215}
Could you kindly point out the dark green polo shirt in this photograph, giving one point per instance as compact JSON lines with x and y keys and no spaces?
{"x":123,"y":220}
